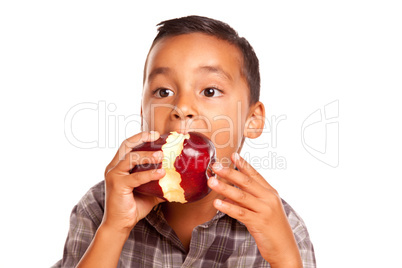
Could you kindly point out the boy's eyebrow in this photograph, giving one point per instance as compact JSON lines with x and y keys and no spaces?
{"x":205,"y":68}
{"x":159,"y":70}
{"x":217,"y":70}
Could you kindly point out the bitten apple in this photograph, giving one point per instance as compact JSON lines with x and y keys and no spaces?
{"x":186,"y":159}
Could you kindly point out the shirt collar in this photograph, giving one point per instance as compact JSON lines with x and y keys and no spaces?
{"x":158,"y":221}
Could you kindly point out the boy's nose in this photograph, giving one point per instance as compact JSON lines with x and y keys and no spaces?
{"x":184,"y":109}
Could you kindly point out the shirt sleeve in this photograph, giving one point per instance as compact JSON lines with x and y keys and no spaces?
{"x":302,"y":237}
{"x":85,"y":219}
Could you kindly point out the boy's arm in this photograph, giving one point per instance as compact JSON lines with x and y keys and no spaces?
{"x":105,"y":248}
{"x":257,"y":205}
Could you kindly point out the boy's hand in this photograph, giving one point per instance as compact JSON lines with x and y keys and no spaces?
{"x":258,"y":205}
{"x":123,"y":208}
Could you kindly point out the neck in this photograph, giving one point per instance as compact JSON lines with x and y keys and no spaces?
{"x":194,"y":213}
{"x":183,"y":218}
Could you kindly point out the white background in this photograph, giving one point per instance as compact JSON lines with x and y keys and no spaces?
{"x":55,"y":55}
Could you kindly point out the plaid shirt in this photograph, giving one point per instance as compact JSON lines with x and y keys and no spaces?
{"x":221,"y":242}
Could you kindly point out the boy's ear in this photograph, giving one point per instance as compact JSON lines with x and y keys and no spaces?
{"x":255,"y":121}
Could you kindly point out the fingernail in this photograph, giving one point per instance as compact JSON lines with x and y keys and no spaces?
{"x":214,"y":181}
{"x":153,"y":134}
{"x":217,"y":166}
{"x":157,"y":154}
{"x":218,"y":202}
{"x":236,"y":157}
{"x":160,"y":170}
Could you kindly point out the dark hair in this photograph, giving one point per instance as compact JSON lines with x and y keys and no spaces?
{"x":221,"y":30}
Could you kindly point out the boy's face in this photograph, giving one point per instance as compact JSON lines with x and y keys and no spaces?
{"x":193,"y":82}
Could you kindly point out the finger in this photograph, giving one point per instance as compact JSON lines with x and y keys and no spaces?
{"x":237,"y":212}
{"x":129,"y":143}
{"x":139,"y":178}
{"x":247,"y":169}
{"x":244,"y":182}
{"x":232,"y":193}
{"x":139,"y":158}
{"x":135,"y":140}
{"x":141,"y":138}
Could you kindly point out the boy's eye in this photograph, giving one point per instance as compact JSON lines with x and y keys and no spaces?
{"x":211,"y":92}
{"x":163,"y":93}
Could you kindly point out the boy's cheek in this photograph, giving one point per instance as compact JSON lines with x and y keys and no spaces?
{"x":157,"y":124}
{"x":224,"y":158}
{"x":227,"y":141}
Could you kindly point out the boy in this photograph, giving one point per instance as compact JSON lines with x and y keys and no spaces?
{"x":199,"y":76}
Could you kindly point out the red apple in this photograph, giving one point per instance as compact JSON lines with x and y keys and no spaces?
{"x":186,"y":159}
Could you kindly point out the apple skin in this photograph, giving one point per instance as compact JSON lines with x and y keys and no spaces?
{"x":193,"y":165}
